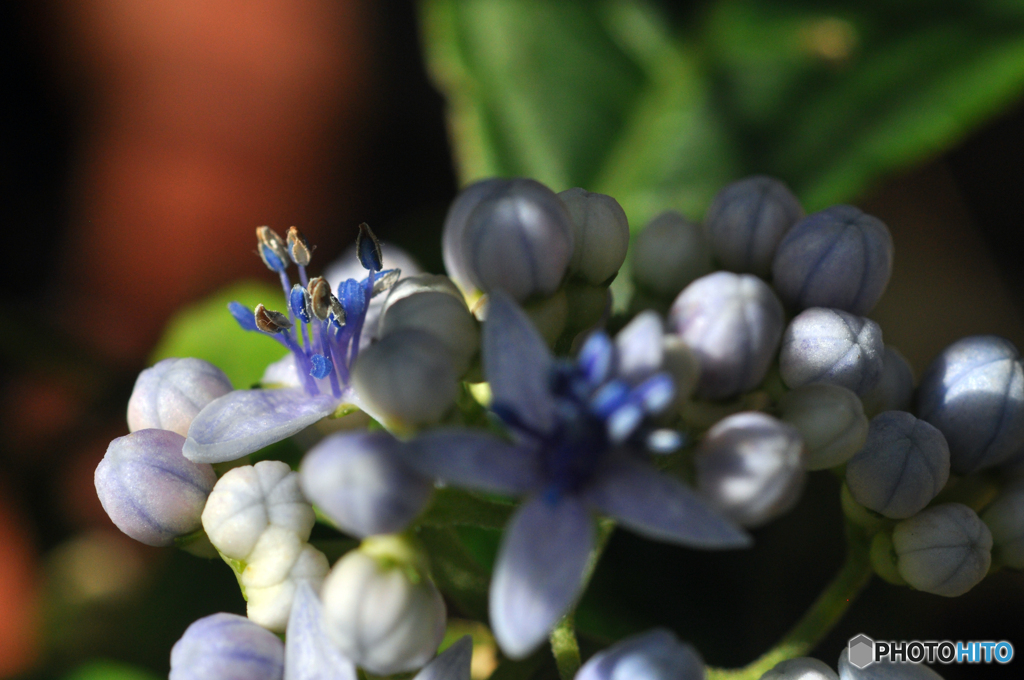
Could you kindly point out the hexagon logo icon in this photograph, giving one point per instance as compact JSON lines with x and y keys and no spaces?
{"x":862,"y":651}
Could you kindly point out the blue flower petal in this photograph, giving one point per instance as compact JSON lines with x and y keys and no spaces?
{"x":517,"y":363}
{"x":453,"y":664}
{"x":476,"y":460}
{"x":596,"y":358}
{"x":308,"y":654}
{"x":657,"y":506}
{"x":639,"y":346}
{"x":538,"y":574}
{"x":244,"y":421}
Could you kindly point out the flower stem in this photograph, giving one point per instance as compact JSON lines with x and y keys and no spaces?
{"x":820,"y":618}
{"x":564,"y":646}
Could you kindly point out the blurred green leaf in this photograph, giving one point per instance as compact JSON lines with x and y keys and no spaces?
{"x":208,"y":331}
{"x":109,"y":670}
{"x":660,"y":110}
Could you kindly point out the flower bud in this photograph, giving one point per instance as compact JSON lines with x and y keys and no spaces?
{"x":421,"y":283}
{"x":407,"y":378}
{"x":903,"y":465}
{"x":833,"y":347}
{"x":381,"y":609}
{"x":830,"y":420}
{"x":974,"y":393}
{"x":168,"y":395}
{"x":278,"y":564}
{"x":801,"y":668}
{"x":600,"y":234}
{"x":248,"y":499}
{"x":655,"y":655}
{"x":149,"y":489}
{"x":839,"y":258}
{"x":227,"y":647}
{"x":732,"y":322}
{"x":750,"y":466}
{"x":895,"y":389}
{"x":747,"y":220}
{"x":509,"y":234}
{"x":1005,"y":519}
{"x":945,"y":550}
{"x":443,"y":316}
{"x":884,"y":670}
{"x":669,"y":253}
{"x":358,"y":480}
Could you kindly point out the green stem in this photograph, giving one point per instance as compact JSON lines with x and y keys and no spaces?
{"x":820,"y":618}
{"x":564,"y":646}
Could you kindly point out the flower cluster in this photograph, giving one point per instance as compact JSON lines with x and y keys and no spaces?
{"x":512,"y":396}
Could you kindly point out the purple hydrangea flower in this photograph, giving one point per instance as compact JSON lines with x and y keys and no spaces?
{"x":320,"y":329}
{"x":578,"y":446}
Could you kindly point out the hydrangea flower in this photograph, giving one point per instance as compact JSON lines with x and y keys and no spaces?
{"x":578,"y":445}
{"x":322,"y":332}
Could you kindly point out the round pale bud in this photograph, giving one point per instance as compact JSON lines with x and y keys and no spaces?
{"x":669,"y":253}
{"x":407,"y":378}
{"x":655,"y":655}
{"x":903,"y":465}
{"x":831,"y":421}
{"x":945,"y":550}
{"x":833,"y":347}
{"x":443,"y":316}
{"x":512,"y":234}
{"x":600,"y":234}
{"x":801,"y":668}
{"x":839,"y":258}
{"x":421,"y":283}
{"x":974,"y":393}
{"x":1004,"y":517}
{"x":248,"y":499}
{"x":733,"y":323}
{"x":227,"y":647}
{"x":149,"y":489}
{"x":750,"y":467}
{"x":747,"y":220}
{"x":168,"y":395}
{"x":895,"y":389}
{"x":358,"y":480}
{"x":884,"y":670}
{"x":381,"y":609}
{"x":279,"y":563}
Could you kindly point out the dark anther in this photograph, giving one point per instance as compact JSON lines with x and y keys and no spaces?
{"x":368,"y":248}
{"x":320,"y":297}
{"x":270,"y":321}
{"x":298,"y":247}
{"x":272,"y":249}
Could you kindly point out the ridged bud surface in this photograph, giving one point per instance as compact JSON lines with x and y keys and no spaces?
{"x":903,"y":465}
{"x":227,"y":647}
{"x":600,"y":234}
{"x":944,"y":550}
{"x":750,"y":466}
{"x":831,"y":421}
{"x":895,"y":389}
{"x":382,"y":611}
{"x":669,"y":253}
{"x":974,"y":393}
{"x":515,"y":235}
{"x":358,"y":480}
{"x":733,"y":323}
{"x":833,"y":347}
{"x":168,"y":395}
{"x":839,"y":258}
{"x":440,"y":314}
{"x":149,"y":489}
{"x":747,"y":220}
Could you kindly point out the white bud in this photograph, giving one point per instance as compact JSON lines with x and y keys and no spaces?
{"x":381,"y":609}
{"x":831,"y":421}
{"x":600,"y":234}
{"x":270,"y":601}
{"x":444,"y":316}
{"x":247,"y":499}
{"x":168,"y":395}
{"x":408,"y":378}
{"x":945,"y":550}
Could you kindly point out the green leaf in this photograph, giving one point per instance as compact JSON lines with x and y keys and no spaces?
{"x":451,"y":507}
{"x":109,"y":670}
{"x":207,"y":331}
{"x":661,"y":110}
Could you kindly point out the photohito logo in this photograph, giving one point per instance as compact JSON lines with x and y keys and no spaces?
{"x":864,"y":651}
